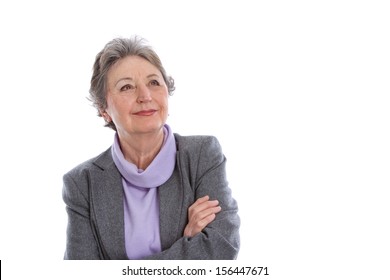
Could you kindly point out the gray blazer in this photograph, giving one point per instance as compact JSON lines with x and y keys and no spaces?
{"x":93,"y":196}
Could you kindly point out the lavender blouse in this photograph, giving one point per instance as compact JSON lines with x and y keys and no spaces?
{"x":141,"y":203}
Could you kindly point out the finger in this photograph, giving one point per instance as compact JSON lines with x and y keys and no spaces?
{"x":198,"y":216}
{"x":207,"y":220}
{"x":201,"y":200}
{"x":200,"y":225}
{"x":197,"y":224}
{"x":202,"y":206}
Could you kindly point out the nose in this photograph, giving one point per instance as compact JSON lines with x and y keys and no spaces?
{"x":144,"y":94}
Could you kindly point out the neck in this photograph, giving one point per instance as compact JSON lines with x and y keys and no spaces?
{"x":141,"y":149}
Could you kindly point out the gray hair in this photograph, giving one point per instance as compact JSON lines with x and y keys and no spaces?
{"x":113,"y":51}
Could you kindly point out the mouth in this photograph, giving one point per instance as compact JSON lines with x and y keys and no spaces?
{"x":145,"y":113}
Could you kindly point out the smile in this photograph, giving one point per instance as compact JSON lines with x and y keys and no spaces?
{"x":145,"y":113}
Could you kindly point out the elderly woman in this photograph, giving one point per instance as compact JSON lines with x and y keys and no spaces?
{"x":153,"y":194}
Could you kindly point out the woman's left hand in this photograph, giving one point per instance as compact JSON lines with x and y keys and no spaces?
{"x":200,"y":214}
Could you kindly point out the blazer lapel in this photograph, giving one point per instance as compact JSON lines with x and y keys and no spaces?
{"x":107,"y":209}
{"x":171,"y":195}
{"x":107,"y":206}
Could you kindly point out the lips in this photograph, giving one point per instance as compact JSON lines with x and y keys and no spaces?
{"x":145,"y":113}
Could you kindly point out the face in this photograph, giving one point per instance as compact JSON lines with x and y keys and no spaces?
{"x":137,"y":97}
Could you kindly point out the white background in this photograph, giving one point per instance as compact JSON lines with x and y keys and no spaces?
{"x":297,"y":92}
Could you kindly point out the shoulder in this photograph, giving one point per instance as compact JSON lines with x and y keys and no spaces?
{"x":196,"y":143}
{"x":77,"y":180}
{"x":95,"y":163}
{"x":199,"y":151}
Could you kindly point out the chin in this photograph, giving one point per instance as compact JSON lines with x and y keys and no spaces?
{"x":151,"y":128}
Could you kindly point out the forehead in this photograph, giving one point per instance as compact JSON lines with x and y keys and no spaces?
{"x":132,"y":66}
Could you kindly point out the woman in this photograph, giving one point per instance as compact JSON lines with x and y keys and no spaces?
{"x":153,"y":194}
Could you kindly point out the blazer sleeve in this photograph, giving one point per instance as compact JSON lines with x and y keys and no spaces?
{"x":81,"y":242}
{"x":220,"y":240}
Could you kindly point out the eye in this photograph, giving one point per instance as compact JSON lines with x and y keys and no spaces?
{"x":127,"y":87}
{"x":154,"y":83}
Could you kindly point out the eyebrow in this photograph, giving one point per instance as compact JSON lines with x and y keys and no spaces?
{"x":131,"y":79}
{"x":123,"y":79}
{"x":153,"y":75}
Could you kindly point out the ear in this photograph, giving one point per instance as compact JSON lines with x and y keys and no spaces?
{"x":106,"y":116}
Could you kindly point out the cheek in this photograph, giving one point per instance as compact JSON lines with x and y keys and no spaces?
{"x":118,"y":106}
{"x":165,"y":105}
{"x":164,"y":100}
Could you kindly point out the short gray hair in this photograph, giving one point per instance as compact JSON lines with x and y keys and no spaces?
{"x":113,"y":51}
